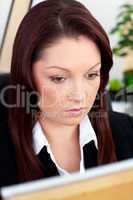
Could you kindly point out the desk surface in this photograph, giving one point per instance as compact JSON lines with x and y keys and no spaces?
{"x":114,"y":182}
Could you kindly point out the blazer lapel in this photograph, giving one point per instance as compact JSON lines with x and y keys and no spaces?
{"x":90,"y":155}
{"x":48,"y":165}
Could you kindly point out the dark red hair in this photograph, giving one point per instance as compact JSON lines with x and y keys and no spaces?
{"x":42,"y":25}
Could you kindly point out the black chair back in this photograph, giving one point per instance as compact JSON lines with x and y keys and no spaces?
{"x":4,"y":82}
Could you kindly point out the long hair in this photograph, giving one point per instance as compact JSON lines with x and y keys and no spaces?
{"x":41,"y":26}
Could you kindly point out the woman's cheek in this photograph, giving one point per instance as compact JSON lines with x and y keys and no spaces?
{"x":49,"y":97}
{"x":91,"y":94}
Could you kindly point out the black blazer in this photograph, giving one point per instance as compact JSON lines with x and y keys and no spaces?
{"x":122,"y":130}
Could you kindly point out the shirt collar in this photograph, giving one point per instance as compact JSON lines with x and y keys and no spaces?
{"x":86,"y":134}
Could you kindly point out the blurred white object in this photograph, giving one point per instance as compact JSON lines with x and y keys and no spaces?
{"x":124,"y":107}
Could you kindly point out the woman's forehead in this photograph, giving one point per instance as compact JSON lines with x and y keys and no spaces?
{"x":69,"y":52}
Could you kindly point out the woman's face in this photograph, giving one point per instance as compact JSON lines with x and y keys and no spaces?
{"x":67,"y":76}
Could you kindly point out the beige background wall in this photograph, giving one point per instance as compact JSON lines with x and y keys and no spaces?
{"x":20,"y":7}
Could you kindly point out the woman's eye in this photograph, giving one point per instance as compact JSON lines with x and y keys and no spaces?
{"x":57,"y":79}
{"x":93,"y":76}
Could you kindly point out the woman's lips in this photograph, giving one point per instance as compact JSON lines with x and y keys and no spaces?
{"x":74,"y":110}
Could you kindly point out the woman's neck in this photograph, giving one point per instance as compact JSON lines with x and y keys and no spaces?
{"x":56,"y":133}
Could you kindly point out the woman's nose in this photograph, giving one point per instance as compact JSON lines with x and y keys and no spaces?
{"x":77,"y":93}
{"x":76,"y":97}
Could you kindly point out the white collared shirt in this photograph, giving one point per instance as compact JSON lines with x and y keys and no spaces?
{"x":86,"y":134}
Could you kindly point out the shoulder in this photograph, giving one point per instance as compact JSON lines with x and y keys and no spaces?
{"x":121,"y":122}
{"x":122,"y":131}
{"x":120,"y":116}
{"x":7,"y":156}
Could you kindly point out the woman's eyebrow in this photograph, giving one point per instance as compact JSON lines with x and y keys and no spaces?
{"x":58,"y":67}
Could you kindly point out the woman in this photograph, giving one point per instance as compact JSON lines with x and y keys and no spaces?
{"x":60,"y":68}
